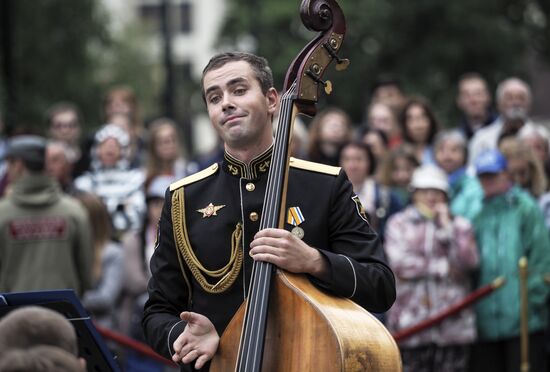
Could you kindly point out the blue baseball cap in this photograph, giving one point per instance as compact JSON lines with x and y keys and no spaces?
{"x":490,"y":161}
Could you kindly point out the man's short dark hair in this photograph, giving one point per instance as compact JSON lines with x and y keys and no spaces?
{"x":60,"y":107}
{"x":472,"y":76}
{"x":386,"y":80}
{"x":259,"y":65}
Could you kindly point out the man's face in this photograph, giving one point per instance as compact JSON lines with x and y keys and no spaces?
{"x":238,"y":110}
{"x":57,"y":164}
{"x":494,"y":183}
{"x":473,"y":98}
{"x":514,"y":102}
{"x":389,"y":94}
{"x":65,"y":127}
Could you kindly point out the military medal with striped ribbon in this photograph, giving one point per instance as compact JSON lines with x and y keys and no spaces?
{"x":295,"y":218}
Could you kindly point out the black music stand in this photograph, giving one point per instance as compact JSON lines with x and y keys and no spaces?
{"x":91,"y":345}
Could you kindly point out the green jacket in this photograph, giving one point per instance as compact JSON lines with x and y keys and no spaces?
{"x":508,"y":227}
{"x":466,"y":195}
{"x":45,"y":238}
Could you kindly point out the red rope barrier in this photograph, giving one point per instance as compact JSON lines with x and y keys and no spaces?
{"x":133,"y":344}
{"x":438,"y":318}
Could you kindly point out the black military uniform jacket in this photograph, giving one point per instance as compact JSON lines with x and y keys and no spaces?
{"x":219,"y":209}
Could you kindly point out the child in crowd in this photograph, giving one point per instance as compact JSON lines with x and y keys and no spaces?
{"x":432,"y":256}
{"x":119,"y":187}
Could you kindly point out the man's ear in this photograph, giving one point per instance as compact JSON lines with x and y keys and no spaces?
{"x":272,"y":97}
{"x":18,"y":167}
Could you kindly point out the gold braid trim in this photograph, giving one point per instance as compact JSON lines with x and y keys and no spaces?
{"x":182,"y":268}
{"x":228,"y":273}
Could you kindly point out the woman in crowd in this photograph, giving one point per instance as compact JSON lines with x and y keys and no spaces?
{"x":138,"y":247}
{"x":380,"y":203}
{"x":524,"y":167}
{"x":451,"y":155}
{"x":380,"y":116}
{"x":377,"y":140}
{"x":432,"y":255}
{"x":164,"y":154}
{"x":100,"y":301}
{"x":527,"y":171}
{"x":397,"y":170}
{"x":328,"y":132}
{"x":419,"y":127}
{"x":538,"y":138}
{"x":121,"y":107}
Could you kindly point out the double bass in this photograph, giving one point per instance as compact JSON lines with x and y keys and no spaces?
{"x":286,"y":323}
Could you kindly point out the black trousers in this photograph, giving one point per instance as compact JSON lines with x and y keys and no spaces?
{"x":505,"y":355}
{"x":433,"y":358}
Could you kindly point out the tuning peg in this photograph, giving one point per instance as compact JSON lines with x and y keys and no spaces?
{"x":328,"y":87}
{"x":342,"y":64}
{"x":327,"y":84}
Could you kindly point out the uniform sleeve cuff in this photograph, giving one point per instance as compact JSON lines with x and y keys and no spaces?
{"x":173,"y":334}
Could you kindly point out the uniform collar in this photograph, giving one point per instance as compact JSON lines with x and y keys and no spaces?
{"x":253,"y":170}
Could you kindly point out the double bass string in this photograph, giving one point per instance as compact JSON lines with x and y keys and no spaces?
{"x":254,"y":327}
{"x":264,"y":269}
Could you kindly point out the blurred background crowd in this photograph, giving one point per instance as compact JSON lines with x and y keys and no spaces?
{"x":446,"y":145}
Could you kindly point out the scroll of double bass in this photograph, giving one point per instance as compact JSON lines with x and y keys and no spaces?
{"x":286,"y":324}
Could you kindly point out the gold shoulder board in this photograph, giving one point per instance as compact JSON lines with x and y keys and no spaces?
{"x":194,"y":177}
{"x":314,"y":167}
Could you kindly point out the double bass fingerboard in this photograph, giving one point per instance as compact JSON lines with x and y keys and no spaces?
{"x":252,"y":337}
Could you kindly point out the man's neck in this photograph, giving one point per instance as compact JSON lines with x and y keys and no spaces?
{"x":246,"y":155}
{"x":477,"y":120}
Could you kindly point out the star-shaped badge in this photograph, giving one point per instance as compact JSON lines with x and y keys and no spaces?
{"x":210,"y":210}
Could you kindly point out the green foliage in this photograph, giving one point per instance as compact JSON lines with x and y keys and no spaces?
{"x":427,"y":44}
{"x":64,"y":51}
{"x":51,"y":56}
{"x":126,"y":62}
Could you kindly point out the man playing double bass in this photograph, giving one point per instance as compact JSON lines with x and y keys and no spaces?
{"x":208,"y":231}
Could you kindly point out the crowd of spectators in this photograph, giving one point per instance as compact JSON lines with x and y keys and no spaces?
{"x":455,"y":205}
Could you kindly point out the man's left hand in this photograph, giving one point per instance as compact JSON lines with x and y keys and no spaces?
{"x":288,"y":252}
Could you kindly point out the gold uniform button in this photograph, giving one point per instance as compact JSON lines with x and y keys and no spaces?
{"x":253,"y":216}
{"x":250,"y":186}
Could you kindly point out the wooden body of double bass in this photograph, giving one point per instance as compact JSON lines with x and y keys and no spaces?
{"x":308,"y":330}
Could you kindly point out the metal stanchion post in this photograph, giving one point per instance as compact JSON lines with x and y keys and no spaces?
{"x":524,"y":315}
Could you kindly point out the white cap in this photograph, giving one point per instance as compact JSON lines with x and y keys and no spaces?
{"x":112,"y":131}
{"x":429,"y":177}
